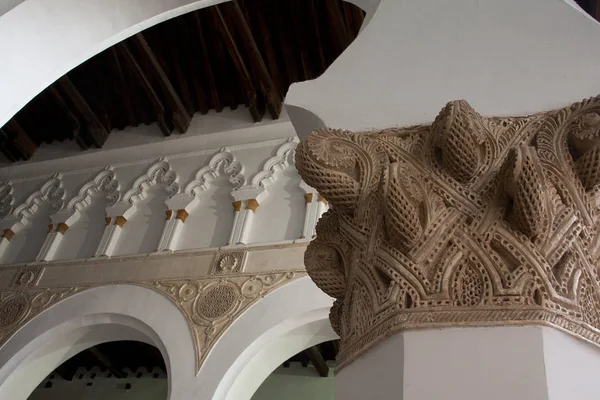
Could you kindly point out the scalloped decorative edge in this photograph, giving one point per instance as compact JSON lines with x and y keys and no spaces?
{"x":154,"y":175}
{"x":223,"y":162}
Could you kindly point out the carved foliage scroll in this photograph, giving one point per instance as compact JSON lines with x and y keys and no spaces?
{"x":467,"y":221}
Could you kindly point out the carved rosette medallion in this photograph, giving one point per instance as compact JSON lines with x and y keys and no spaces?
{"x":468,"y":221}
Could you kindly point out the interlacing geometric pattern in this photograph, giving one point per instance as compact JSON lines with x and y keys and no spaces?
{"x":469,"y":221}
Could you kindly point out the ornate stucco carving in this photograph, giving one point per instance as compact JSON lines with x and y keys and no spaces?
{"x":468,"y":221}
{"x":51,"y":192}
{"x":209,"y":303}
{"x":160,"y":173}
{"x":105,"y":183}
{"x":280,"y":161}
{"x":224,"y":162}
{"x":229,"y":262}
{"x":28,"y":276}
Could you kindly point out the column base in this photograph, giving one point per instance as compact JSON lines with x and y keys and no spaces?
{"x":498,"y":363}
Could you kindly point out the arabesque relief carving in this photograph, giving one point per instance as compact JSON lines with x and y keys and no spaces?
{"x":209,"y":303}
{"x":468,"y":221}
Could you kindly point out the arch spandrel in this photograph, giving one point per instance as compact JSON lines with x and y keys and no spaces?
{"x":209,"y":304}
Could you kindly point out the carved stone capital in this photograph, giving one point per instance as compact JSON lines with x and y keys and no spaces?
{"x":468,"y":221}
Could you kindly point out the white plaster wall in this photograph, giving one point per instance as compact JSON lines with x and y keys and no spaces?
{"x":571,"y":366}
{"x":496,"y":363}
{"x":281,"y":215}
{"x":210,"y":221}
{"x":82,"y":238}
{"x":25,"y":246}
{"x":504,"y":57}
{"x":143,"y":229}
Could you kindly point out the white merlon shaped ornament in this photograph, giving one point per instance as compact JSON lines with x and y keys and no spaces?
{"x":51,"y":193}
{"x":280,"y":161}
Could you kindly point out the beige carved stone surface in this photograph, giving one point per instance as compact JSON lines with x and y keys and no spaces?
{"x":209,"y":303}
{"x":27,"y":276}
{"x":228,"y":262}
{"x":469,"y":221}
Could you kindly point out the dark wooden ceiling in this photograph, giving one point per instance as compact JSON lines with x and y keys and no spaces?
{"x":240,"y":53}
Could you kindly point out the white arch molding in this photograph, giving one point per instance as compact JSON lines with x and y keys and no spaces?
{"x":83,"y":28}
{"x":98,"y":315}
{"x":285,"y":322}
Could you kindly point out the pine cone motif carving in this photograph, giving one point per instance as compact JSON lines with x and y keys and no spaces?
{"x":468,"y":221}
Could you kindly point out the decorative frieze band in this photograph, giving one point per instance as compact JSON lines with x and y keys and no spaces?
{"x":468,"y":221}
{"x":209,"y":303}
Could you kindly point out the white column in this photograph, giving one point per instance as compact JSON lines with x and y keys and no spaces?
{"x":108,"y":228}
{"x":172,"y":231}
{"x":309,"y":213}
{"x":320,"y":209}
{"x":246,"y":223}
{"x":112,"y":231}
{"x":236,"y":227}
{"x":166,"y":238}
{"x":5,"y":240}
{"x":52,"y":242}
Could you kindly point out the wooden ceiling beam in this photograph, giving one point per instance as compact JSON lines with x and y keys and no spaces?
{"x":177,"y":60}
{"x":207,"y":67}
{"x":200,"y":96}
{"x":105,"y":362}
{"x":298,"y":15}
{"x":94,"y":132}
{"x":238,"y":61}
{"x":58,"y":99}
{"x":179,"y":115}
{"x":122,"y":88}
{"x":338,"y":25}
{"x":165,"y":126}
{"x":265,"y":82}
{"x":354,"y":18}
{"x":312,"y":7}
{"x":270,"y":52}
{"x":287,"y":56}
{"x":15,"y":144}
{"x":595,"y":7}
{"x":316,"y":358}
